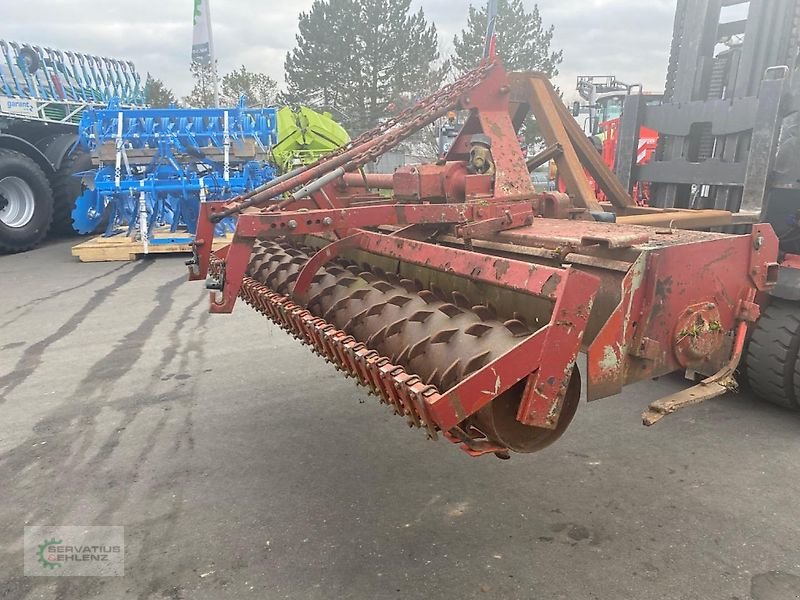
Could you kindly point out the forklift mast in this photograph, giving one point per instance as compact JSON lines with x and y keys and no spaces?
{"x":730,"y":92}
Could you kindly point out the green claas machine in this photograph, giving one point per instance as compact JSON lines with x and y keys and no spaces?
{"x":304,"y":135}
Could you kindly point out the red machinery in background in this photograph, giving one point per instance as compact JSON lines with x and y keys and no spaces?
{"x":604,"y":97}
{"x":464,"y":298}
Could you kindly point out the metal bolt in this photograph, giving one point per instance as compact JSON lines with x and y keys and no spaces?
{"x":292,"y":224}
{"x":213,"y":283}
{"x":327,"y":221}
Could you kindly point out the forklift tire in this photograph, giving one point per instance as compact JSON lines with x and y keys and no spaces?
{"x":772,"y":355}
{"x":26,"y":203}
{"x":67,"y":188}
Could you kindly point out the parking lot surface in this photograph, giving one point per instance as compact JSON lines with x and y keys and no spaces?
{"x":243,"y":466}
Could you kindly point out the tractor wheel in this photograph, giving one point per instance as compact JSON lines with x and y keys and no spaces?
{"x":772,"y":355}
{"x":26,"y":202}
{"x":67,"y":188}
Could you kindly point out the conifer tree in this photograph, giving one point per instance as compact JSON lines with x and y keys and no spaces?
{"x":157,"y":94}
{"x":361,"y":58}
{"x":523,"y":41}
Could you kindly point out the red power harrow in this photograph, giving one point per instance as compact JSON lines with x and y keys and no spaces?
{"x":464,"y":298}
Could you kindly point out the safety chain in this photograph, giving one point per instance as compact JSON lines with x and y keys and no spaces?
{"x":395,"y":130}
{"x":424,"y":113}
{"x":451,"y":92}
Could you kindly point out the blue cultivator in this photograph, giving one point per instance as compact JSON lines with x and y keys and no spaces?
{"x":155,"y":166}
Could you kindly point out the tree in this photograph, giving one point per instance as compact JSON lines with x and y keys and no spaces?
{"x":258,"y":89}
{"x":202,"y":94}
{"x":157,"y":94}
{"x":523,"y":42}
{"x":357,"y":58}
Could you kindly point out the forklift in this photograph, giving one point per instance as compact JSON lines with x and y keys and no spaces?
{"x":729,"y":139}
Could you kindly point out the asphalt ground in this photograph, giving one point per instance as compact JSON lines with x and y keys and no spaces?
{"x":243,"y":466}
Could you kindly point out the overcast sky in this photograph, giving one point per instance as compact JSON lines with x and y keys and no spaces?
{"x":626,"y":38}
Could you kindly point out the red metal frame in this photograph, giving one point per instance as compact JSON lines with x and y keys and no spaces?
{"x":675,"y":281}
{"x":662,"y":290}
{"x":265,"y":225}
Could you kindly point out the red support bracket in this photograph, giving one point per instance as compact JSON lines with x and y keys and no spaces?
{"x":203,"y":241}
{"x":547,"y":387}
{"x":607,"y":356}
{"x":763,"y":269}
{"x":516,"y":216}
{"x":227,"y":282}
{"x":560,"y":339}
{"x":278,"y":223}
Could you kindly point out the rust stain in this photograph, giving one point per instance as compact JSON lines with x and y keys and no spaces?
{"x":664,"y":287}
{"x":501,"y":267}
{"x":458,"y":408}
{"x":551,"y":285}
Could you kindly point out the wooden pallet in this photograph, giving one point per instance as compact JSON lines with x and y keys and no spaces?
{"x":121,"y":247}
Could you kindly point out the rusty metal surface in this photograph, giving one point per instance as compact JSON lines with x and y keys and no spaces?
{"x":611,"y":235}
{"x":462,"y":356}
{"x":718,"y":384}
{"x":461,"y":305}
{"x":432,"y":183}
{"x":643,"y":335}
{"x":332,"y":220}
{"x":545,"y":156}
{"x":553,"y":233}
{"x":699,"y":338}
{"x":381,"y":181}
{"x":559,"y":127}
{"x":489,"y":114}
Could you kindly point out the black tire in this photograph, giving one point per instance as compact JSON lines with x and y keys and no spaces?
{"x":30,"y":58}
{"x":28,"y":234}
{"x":772,"y":354}
{"x":66,"y":188}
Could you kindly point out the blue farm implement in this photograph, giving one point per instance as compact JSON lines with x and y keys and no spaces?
{"x":155,"y":166}
{"x":43,"y":95}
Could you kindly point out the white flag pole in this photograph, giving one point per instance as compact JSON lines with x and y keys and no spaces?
{"x":203,"y":43}
{"x":212,"y":56}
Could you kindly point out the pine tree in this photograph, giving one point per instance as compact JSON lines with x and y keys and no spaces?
{"x":321,"y":60}
{"x":202,"y":94}
{"x":258,"y":89}
{"x":359,"y":58}
{"x":523,"y":42}
{"x":157,"y":94}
